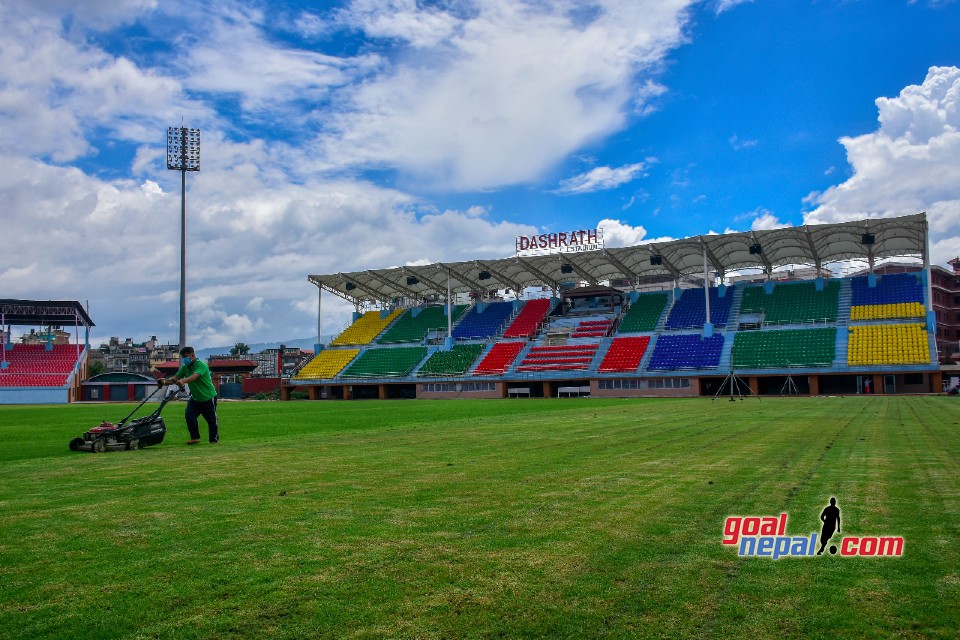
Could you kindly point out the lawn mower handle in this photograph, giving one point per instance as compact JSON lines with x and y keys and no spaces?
{"x":153,"y":393}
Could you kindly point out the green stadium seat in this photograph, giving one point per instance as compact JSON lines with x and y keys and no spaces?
{"x":451,"y":363}
{"x":385,"y":363}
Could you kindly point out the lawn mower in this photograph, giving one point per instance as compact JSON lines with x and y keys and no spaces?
{"x":124,"y":435}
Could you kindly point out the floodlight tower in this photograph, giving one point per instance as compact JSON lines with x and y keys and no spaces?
{"x":183,"y":154}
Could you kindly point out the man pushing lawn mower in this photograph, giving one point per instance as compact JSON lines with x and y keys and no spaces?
{"x":203,"y":395}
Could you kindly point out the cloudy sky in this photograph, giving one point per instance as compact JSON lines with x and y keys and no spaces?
{"x":374,"y":133}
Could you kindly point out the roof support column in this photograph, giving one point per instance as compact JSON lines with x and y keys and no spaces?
{"x":813,"y":251}
{"x":707,"y":326}
{"x":319,"y":324}
{"x":928,"y":274}
{"x":3,"y":339}
{"x":448,"y":342}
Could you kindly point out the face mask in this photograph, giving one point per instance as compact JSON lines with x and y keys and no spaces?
{"x":186,"y":361}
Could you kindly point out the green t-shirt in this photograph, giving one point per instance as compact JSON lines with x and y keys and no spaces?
{"x":202,"y":388}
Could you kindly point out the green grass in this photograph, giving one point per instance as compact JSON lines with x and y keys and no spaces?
{"x":481,"y":519}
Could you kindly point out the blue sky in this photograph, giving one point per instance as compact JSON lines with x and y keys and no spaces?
{"x":366,"y":134}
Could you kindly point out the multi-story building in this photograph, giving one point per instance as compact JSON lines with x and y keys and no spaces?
{"x":269,"y":361}
{"x":945,"y":285}
{"x":130,"y":357}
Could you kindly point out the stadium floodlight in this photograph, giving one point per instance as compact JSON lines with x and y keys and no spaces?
{"x":183,"y":154}
{"x":868,"y":239}
{"x":756,"y":249}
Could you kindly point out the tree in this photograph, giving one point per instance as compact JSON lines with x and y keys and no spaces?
{"x":240,"y":349}
{"x":95,"y":368}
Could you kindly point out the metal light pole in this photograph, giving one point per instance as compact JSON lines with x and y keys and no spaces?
{"x":183,"y":154}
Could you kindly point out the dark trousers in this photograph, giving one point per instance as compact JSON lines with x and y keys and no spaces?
{"x":207,"y":409}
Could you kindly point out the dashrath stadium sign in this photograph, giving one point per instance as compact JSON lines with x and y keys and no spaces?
{"x":563,"y":242}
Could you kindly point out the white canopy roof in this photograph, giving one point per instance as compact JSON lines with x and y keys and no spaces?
{"x":805,"y":245}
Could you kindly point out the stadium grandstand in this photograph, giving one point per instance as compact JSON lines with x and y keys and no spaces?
{"x":658,"y":319}
{"x":43,"y":368}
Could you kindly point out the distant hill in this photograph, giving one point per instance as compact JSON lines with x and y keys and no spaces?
{"x":257,"y":347}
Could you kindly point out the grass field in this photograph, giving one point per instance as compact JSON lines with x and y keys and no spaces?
{"x":481,"y":519}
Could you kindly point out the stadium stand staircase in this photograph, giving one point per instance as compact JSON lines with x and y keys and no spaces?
{"x":528,"y":321}
{"x":843,"y":341}
{"x":648,"y":354}
{"x":844,"y":298}
{"x":667,"y":309}
{"x":734,"y":321}
{"x":726,"y":354}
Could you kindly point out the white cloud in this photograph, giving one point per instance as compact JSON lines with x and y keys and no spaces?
{"x":621,"y":234}
{"x":55,"y":90}
{"x":726,"y":5}
{"x":911,"y":163}
{"x":764,"y":219}
{"x":234,"y":57}
{"x":500,"y":92}
{"x":421,"y":26}
{"x":600,"y":178}
{"x":739,"y":144}
{"x":99,"y":14}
